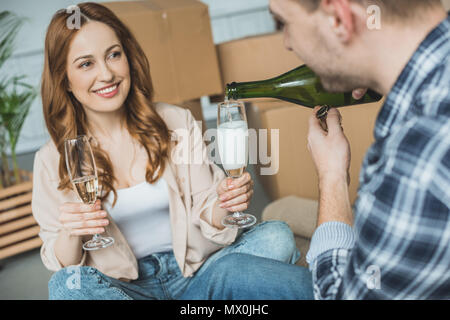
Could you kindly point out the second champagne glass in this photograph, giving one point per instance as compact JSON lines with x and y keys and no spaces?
{"x":83,"y":175}
{"x":232,"y":140}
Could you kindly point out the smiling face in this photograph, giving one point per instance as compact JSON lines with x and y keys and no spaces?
{"x":97,"y":69}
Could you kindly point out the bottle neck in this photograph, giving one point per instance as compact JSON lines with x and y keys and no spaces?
{"x":271,"y":88}
{"x":253,"y":89}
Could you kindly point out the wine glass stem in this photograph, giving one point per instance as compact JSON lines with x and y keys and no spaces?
{"x":236,"y":214}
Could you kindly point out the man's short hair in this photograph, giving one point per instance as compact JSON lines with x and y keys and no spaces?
{"x":394,"y":8}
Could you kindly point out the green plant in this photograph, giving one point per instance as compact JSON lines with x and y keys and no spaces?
{"x":16,"y":98}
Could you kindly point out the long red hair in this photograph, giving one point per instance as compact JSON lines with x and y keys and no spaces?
{"x":64,"y":115}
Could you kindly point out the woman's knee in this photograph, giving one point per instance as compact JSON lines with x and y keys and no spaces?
{"x":277,"y":239}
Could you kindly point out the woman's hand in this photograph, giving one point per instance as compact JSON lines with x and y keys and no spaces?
{"x":235,"y":194}
{"x":83,"y":219}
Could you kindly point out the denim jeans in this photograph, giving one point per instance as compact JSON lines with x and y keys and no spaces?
{"x":258,"y":265}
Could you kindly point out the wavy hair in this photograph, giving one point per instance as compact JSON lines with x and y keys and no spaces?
{"x":65,"y":117}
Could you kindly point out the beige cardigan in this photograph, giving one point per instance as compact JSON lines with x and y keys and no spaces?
{"x":192,"y":193}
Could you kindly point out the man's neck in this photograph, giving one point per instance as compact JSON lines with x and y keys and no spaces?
{"x":395,"y":45}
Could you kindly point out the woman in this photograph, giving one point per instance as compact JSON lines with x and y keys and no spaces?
{"x":165,"y":216}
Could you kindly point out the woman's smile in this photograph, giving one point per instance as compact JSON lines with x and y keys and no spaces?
{"x":108,"y":91}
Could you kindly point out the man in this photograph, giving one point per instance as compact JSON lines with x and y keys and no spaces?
{"x":398,"y":246}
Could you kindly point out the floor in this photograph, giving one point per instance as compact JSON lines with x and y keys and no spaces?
{"x":24,"y":277}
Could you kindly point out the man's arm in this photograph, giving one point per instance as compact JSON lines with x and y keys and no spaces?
{"x":331,"y":154}
{"x":401,"y":226}
{"x":330,"y":151}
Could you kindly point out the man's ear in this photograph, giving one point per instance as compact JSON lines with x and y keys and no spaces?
{"x":340,"y":18}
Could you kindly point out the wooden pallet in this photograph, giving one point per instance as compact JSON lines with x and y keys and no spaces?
{"x":18,"y":229}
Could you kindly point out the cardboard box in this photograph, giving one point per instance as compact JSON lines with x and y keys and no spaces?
{"x":446,"y":4}
{"x":176,"y":37}
{"x":296,"y":172}
{"x":255,"y":58}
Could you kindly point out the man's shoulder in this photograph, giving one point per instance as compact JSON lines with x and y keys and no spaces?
{"x":433,"y":97}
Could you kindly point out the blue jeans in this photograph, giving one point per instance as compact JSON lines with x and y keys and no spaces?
{"x":258,"y":265}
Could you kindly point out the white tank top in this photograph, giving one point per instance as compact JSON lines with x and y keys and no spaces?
{"x":142,"y":214}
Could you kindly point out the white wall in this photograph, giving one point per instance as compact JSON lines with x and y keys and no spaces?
{"x":231,"y":19}
{"x":234,"y":19}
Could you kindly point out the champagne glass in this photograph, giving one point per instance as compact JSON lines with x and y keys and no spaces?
{"x":232,"y":140}
{"x":83,"y":175}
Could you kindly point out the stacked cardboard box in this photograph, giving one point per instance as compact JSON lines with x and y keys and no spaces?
{"x":264,"y":57}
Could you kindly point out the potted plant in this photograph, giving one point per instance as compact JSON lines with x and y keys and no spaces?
{"x":15,"y":100}
{"x":18,"y":230}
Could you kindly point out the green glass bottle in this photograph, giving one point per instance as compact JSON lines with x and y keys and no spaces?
{"x":300,"y":86}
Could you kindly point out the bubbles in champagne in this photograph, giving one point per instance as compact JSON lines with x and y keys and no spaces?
{"x":86,"y":188}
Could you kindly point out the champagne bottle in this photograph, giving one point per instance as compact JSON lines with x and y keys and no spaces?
{"x":300,"y":86}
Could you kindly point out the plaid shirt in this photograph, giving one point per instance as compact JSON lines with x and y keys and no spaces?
{"x":399,"y":247}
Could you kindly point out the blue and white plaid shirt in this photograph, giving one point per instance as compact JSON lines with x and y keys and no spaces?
{"x":399,"y":247}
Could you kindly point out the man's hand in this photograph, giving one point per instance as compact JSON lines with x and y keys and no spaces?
{"x":330,"y":150}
